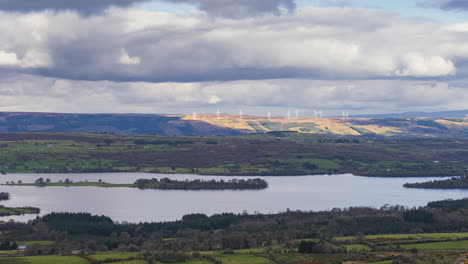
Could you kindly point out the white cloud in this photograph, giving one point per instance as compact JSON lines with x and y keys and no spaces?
{"x":418,"y":66}
{"x":8,"y":58}
{"x":214,"y":99}
{"x":126,"y":59}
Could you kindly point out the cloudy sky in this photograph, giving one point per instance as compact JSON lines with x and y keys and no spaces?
{"x":180,"y":56}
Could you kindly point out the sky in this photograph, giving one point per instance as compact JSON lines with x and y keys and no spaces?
{"x":184,"y":56}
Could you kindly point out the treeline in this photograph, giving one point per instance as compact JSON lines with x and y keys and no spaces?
{"x":225,"y":232}
{"x":452,"y":183}
{"x":234,"y":184}
{"x":4,"y":196}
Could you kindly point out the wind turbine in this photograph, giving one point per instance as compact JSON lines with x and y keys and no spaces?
{"x":296,"y":112}
{"x":194,"y":115}
{"x":289,"y":114}
{"x":269,"y":115}
{"x":321,"y":113}
{"x":343,"y":114}
{"x":241,"y":114}
{"x":315,"y":113}
{"x":217,"y":113}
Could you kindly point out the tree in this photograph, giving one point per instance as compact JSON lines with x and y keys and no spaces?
{"x":48,"y":180}
{"x":40,"y":181}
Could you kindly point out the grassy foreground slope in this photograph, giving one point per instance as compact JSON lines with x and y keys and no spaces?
{"x":276,"y":153}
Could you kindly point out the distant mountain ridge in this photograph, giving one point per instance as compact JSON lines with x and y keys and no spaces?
{"x":108,"y":123}
{"x":443,"y":114}
{"x":229,"y":125}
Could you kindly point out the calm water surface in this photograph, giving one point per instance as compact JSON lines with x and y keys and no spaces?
{"x":293,"y":192}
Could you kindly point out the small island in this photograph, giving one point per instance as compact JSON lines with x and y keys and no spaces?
{"x":8,"y":211}
{"x":234,"y":184}
{"x":158,"y":184}
{"x":452,"y":183}
{"x":4,"y":196}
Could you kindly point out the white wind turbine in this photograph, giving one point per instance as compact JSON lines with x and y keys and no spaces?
{"x":296,"y":112}
{"x":194,"y":115}
{"x":217,"y":113}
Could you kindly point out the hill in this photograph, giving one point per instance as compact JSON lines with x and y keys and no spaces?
{"x":401,"y":127}
{"x":443,"y":114}
{"x":109,"y":123}
{"x":227,"y":125}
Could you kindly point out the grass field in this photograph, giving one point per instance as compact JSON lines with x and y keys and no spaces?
{"x":113,"y":255}
{"x":282,"y":153}
{"x":357,"y":247}
{"x":45,"y":260}
{"x":241,"y":259}
{"x":5,"y":211}
{"x":77,"y":184}
{"x":461,"y":245}
{"x":424,"y":236}
{"x":45,"y":242}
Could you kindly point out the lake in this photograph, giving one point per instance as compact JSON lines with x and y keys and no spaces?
{"x":294,"y":192}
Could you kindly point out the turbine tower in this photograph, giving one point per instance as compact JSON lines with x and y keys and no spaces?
{"x":296,"y":112}
{"x":321,"y":113}
{"x":241,"y":114}
{"x":315,"y":113}
{"x":269,"y":115}
{"x":343,"y":114}
{"x":289,"y":114}
{"x":217,"y":113}
{"x":194,"y":114}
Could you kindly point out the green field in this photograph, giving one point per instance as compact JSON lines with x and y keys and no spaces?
{"x":280,"y":153}
{"x":113,"y":255}
{"x":77,"y":184}
{"x":425,"y":236}
{"x":45,"y":260}
{"x":461,"y":245}
{"x":5,"y":211}
{"x":241,"y":259}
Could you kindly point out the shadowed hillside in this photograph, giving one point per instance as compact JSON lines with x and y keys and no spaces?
{"x":109,"y":123}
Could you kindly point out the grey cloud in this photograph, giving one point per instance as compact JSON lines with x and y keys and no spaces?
{"x":33,"y":93}
{"x":83,"y":6}
{"x":240,"y":8}
{"x":126,"y":45}
{"x":446,"y":4}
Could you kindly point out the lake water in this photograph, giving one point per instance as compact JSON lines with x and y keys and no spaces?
{"x":293,"y":192}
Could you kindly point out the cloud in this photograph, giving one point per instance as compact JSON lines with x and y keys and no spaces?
{"x":124,"y":45}
{"x":84,"y":6}
{"x":446,"y":4}
{"x":214,"y":99}
{"x":240,"y":8}
{"x":33,"y":93}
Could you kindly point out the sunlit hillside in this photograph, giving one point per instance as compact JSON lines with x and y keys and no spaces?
{"x":338,"y":126}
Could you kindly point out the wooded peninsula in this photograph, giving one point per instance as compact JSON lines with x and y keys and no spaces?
{"x":158,"y":184}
